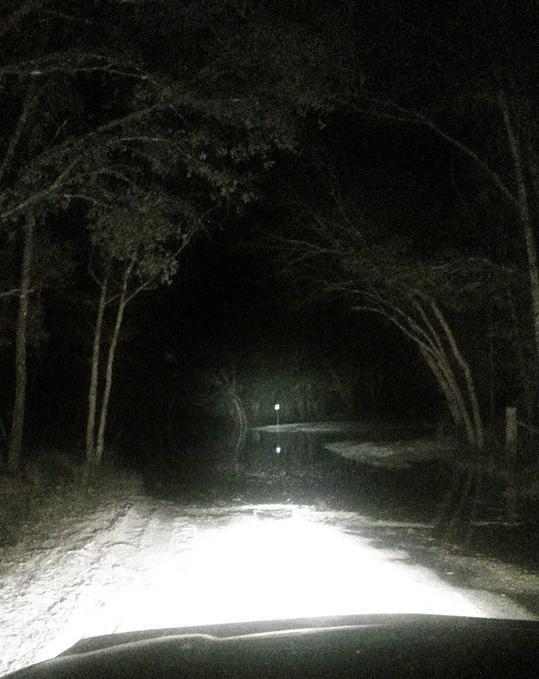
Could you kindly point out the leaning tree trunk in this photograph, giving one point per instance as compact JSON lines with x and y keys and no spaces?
{"x":431,"y":347}
{"x":453,"y":398}
{"x":17,"y":423}
{"x":470,"y":384}
{"x":527,"y":381}
{"x":524,"y":214}
{"x":241,"y":429}
{"x":452,"y":391}
{"x":447,"y":379}
{"x":100,"y":443}
{"x":94,"y":376}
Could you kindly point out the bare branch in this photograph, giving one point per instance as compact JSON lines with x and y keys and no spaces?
{"x":15,"y":137}
{"x":9,"y":293}
{"x":136,"y":292}
{"x":79,"y":62}
{"x":38,"y":195}
{"x":403,"y":114}
{"x":68,"y":17}
{"x":82,"y":141}
{"x":84,"y":197}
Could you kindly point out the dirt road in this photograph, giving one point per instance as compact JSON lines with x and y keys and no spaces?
{"x":136,"y":562}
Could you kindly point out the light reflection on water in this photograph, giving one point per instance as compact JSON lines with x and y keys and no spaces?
{"x":289,"y":450}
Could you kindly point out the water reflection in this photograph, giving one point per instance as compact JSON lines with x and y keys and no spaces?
{"x":291,"y":448}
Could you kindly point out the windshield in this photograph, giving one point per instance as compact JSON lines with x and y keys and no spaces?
{"x":269,"y":315}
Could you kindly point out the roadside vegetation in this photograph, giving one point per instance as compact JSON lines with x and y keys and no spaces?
{"x":54,"y":488}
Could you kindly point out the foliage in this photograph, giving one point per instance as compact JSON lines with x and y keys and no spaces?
{"x":142,"y":144}
{"x":140,"y":229}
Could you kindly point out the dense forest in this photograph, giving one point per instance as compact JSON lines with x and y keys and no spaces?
{"x":208,"y":203}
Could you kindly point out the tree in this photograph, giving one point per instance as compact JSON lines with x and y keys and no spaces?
{"x":77,"y":154}
{"x":518,"y":197}
{"x":334,"y":253}
{"x":226,"y":395}
{"x":50,"y":268}
{"x":464,"y":76}
{"x":43,"y":165}
{"x":136,"y":248}
{"x":104,"y":106}
{"x":17,"y":419}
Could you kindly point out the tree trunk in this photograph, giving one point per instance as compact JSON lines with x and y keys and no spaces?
{"x":442,"y":363}
{"x":5,"y":166}
{"x":17,"y":423}
{"x":526,"y":381}
{"x":524,"y":213}
{"x":535,"y":179}
{"x":241,"y":429}
{"x":470,"y":384}
{"x":432,"y":350}
{"x":453,"y":395}
{"x":94,"y":376}
{"x":100,"y":443}
{"x":491,"y":372}
{"x":445,"y":388}
{"x":443,"y":371}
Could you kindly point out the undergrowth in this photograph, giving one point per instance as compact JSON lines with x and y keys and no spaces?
{"x":52,"y":486}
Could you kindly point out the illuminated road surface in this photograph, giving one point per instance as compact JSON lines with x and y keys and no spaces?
{"x":148,"y":564}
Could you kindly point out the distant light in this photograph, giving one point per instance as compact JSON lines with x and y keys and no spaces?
{"x":277,"y":449}
{"x":277,"y":406}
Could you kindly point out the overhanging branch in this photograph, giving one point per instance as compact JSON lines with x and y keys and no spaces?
{"x":403,"y":114}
